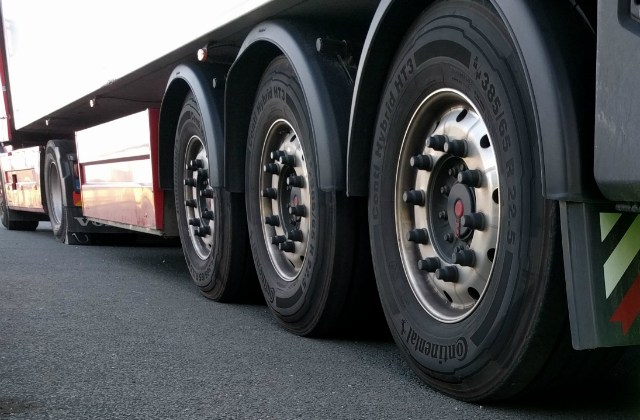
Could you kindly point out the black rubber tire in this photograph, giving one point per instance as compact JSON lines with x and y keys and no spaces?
{"x":59,"y":227}
{"x":313,"y":302}
{"x":5,"y":218}
{"x":519,"y":327}
{"x":224,"y":276}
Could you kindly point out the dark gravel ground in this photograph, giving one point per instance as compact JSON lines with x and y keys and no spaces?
{"x":105,"y":332}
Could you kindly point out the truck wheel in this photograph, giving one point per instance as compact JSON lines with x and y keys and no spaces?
{"x":301,"y":237}
{"x":55,"y":188}
{"x":211,"y":221}
{"x":466,"y":250}
{"x":5,"y":215}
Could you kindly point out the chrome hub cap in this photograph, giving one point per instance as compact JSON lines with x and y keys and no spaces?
{"x":447,"y":209}
{"x":198,"y":198}
{"x":285,"y":203}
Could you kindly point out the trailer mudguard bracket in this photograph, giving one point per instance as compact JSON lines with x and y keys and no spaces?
{"x":557,"y":49}
{"x":197,"y":78}
{"x":325,"y":87}
{"x":602,"y":266}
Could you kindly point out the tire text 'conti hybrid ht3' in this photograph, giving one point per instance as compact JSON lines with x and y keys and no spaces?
{"x":466,"y":250}
{"x":211,"y":221}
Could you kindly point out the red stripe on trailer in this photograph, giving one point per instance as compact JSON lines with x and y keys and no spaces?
{"x":629,"y":308}
{"x":158,"y":195}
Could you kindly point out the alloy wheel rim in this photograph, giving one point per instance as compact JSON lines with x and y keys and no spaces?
{"x":285,"y":202}
{"x":55,"y":193}
{"x":447,"y":210}
{"x":199,"y":202}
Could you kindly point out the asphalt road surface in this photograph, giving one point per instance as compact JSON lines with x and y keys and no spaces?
{"x":104,"y":332}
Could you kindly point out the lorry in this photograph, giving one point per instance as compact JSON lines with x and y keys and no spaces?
{"x":469,"y":165}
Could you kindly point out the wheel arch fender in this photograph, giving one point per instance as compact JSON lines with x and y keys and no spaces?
{"x":563,"y":106}
{"x":322,"y":82}
{"x":198,"y":79}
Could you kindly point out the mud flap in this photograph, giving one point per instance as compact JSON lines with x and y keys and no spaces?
{"x":80,"y":228}
{"x":602,"y":266}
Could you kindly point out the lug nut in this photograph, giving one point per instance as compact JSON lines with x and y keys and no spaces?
{"x":418,"y":236}
{"x":204,"y":231}
{"x":194,"y":222}
{"x":288,"y":246}
{"x":287,"y":159}
{"x":473,"y":221}
{"x":295,"y":235}
{"x":275,"y":155}
{"x":272,"y":168}
{"x":272,"y":220}
{"x":295,"y":181}
{"x":299,"y":210}
{"x":208,"y":193}
{"x":444,"y":190}
{"x":203,"y":173}
{"x":415,"y":197}
{"x":465,"y":258}
{"x":195,"y":164}
{"x":278,"y":239}
{"x":190,"y":182}
{"x":429,"y":265}
{"x":437,"y":142}
{"x":449,"y":237}
{"x":456,"y":148}
{"x":453,"y":172}
{"x":472,"y":178}
{"x":447,"y":274}
{"x":190,"y":203}
{"x":207,"y":214}
{"x":443,"y":215}
{"x":270,"y":193}
{"x":422,"y":162}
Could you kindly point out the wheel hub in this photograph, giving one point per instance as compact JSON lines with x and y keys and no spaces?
{"x":447,"y":205}
{"x":285,"y":205}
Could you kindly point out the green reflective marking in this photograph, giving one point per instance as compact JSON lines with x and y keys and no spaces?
{"x":607,"y":221}
{"x":622,"y":256}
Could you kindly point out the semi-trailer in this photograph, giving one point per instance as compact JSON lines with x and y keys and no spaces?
{"x":472,"y":159}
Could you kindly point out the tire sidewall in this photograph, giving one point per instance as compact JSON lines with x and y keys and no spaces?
{"x":456,"y":357}
{"x":296,"y":302}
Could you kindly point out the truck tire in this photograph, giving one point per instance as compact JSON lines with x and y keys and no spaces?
{"x":55,"y":187}
{"x":211,"y":221}
{"x":302,"y":238}
{"x":467,"y":252}
{"x":5,"y":218}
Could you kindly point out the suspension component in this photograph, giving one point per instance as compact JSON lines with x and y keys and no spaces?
{"x":288,"y":246}
{"x":448,"y":274}
{"x":295,"y":181}
{"x":415,"y":197}
{"x":299,"y":210}
{"x":465,"y":258}
{"x":430,"y":265}
{"x":273,"y":220}
{"x":419,"y":236}
{"x":272,"y":168}
{"x":471,"y":178}
{"x":295,"y":235}
{"x":278,"y":239}
{"x":270,"y":193}
{"x":422,"y":162}
{"x":190,"y":182}
{"x":473,"y":221}
{"x":456,"y":148}
{"x":437,"y":142}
